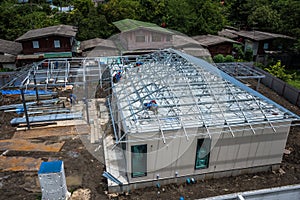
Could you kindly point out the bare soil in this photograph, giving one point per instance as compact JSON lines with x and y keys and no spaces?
{"x":78,"y":161}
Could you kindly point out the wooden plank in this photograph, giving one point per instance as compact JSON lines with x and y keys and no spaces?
{"x":19,"y":164}
{"x":29,"y":145}
{"x":53,"y":131}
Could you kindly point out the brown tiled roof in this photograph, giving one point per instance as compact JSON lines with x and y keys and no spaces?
{"x":228,"y":33}
{"x":259,"y":35}
{"x":96,"y":42}
{"x":182,"y":40}
{"x":7,"y":59}
{"x":208,"y":40}
{"x":60,"y":30}
{"x":253,"y":35}
{"x":10,"y":47}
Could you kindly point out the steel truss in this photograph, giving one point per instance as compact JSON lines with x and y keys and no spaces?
{"x":190,"y":93}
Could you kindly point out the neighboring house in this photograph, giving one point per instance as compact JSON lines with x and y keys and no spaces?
{"x":216,"y":44}
{"x":49,"y":42}
{"x":8,"y":52}
{"x":190,"y":46}
{"x":138,"y":37}
{"x":62,"y":9}
{"x":98,"y":48}
{"x":261,"y":43}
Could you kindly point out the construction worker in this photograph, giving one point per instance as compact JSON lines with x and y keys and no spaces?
{"x":117,"y":77}
{"x":73,"y":98}
{"x":152,"y":105}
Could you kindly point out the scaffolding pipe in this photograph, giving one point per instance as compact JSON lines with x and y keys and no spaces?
{"x":36,"y":89}
{"x":113,"y":121}
{"x":25,"y":108}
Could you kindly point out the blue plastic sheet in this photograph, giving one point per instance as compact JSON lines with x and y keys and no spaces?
{"x":28,"y":92}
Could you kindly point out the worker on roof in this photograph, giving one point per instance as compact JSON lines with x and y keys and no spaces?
{"x":117,"y":77}
{"x":152,"y":105}
{"x":139,"y":63}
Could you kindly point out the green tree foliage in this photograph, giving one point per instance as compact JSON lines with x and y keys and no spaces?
{"x":279,"y":71}
{"x":265,"y":18}
{"x":238,"y":52}
{"x":16,"y":19}
{"x":187,"y":16}
{"x":153,"y":11}
{"x":121,"y":9}
{"x":248,"y":55}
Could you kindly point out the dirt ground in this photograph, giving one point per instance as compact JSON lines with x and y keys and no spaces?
{"x":78,"y":162}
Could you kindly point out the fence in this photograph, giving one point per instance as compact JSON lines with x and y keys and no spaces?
{"x":280,"y":87}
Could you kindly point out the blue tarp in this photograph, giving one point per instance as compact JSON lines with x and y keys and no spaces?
{"x":28,"y":92}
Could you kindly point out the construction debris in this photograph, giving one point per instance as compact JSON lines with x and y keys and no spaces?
{"x":29,"y":145}
{"x":81,"y":194}
{"x":53,"y":131}
{"x":19,"y":163}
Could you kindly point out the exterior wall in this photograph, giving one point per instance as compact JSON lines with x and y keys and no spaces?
{"x":9,"y":65}
{"x":128,"y":40}
{"x":224,"y":49}
{"x":46,"y":44}
{"x":228,"y":153}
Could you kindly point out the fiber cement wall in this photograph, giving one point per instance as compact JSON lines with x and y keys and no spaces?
{"x":177,"y":157}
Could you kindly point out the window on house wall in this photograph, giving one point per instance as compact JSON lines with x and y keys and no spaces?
{"x":56,"y":43}
{"x":140,"y":38}
{"x":202,"y":153}
{"x":139,"y":160}
{"x":156,"y":38}
{"x":168,"y":38}
{"x":35,"y":44}
{"x":266,"y":46}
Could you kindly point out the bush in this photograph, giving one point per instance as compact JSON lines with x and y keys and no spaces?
{"x":238,"y":52}
{"x":229,"y":58}
{"x":279,"y":71}
{"x":219,"y":58}
{"x":259,"y":65}
{"x":5,"y":70}
{"x":249,"y":55}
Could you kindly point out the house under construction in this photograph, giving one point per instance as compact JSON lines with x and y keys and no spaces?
{"x":177,"y":117}
{"x":173,"y":116}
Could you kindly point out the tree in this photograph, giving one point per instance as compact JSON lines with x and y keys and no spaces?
{"x":179,"y":17}
{"x":116,"y":10}
{"x":205,"y":17}
{"x":153,"y":10}
{"x":265,"y":18}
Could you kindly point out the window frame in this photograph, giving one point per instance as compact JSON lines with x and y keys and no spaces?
{"x":168,"y":38}
{"x":140,"y":41}
{"x":201,"y":144}
{"x":57,"y":44}
{"x":155,"y":37}
{"x":136,"y":174}
{"x":35,"y":44}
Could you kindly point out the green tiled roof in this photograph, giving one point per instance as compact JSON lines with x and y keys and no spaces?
{"x":130,"y":24}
